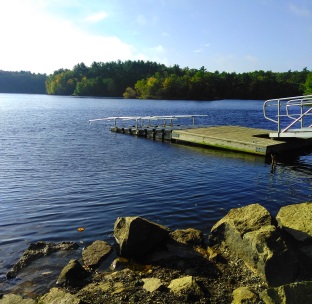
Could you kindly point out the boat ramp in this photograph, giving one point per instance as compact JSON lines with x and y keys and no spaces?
{"x":184,"y":130}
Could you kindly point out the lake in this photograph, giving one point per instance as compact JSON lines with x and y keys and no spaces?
{"x":58,"y":172}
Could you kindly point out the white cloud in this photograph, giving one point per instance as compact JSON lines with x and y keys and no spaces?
{"x":96,"y":17}
{"x":299,"y":11}
{"x":37,"y":42}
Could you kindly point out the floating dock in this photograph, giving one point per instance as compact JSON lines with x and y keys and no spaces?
{"x":242,"y":139}
{"x":235,"y":138}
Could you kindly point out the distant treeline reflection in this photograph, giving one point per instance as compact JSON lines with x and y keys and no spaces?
{"x":151,"y":80}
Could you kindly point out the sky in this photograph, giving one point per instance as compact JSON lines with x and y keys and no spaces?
{"x":43,"y":36}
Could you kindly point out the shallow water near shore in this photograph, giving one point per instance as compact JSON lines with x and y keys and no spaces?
{"x":58,"y":172}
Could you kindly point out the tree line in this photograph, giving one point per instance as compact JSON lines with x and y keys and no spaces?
{"x":151,"y":80}
{"x":22,"y":82}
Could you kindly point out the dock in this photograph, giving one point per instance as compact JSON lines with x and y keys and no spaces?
{"x":242,"y":139}
{"x":234,"y":138}
{"x":182,"y":129}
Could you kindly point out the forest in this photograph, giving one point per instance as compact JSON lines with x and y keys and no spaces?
{"x":22,"y":82}
{"x":151,"y":80}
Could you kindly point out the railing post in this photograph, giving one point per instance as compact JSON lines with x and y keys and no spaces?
{"x":278,"y":117}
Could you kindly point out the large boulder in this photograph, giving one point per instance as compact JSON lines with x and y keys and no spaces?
{"x":296,"y":220}
{"x":137,"y":236}
{"x":251,"y":234}
{"x":95,"y":253}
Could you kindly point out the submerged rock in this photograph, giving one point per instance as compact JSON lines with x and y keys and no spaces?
{"x":37,"y":250}
{"x":136,"y":236}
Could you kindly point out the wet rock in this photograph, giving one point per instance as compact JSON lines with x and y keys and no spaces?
{"x":296,"y":220}
{"x":250,"y":234}
{"x":37,"y":250}
{"x":73,"y":274}
{"x":95,"y":253}
{"x":243,"y":295}
{"x":188,"y":236}
{"x":15,"y":299}
{"x":58,"y":296}
{"x":294,"y":293}
{"x":136,"y":236}
{"x":152,"y":284}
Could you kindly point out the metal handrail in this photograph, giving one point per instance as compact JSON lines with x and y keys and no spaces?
{"x":283,"y":106}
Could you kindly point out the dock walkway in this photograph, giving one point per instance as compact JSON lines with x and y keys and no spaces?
{"x":235,"y":138}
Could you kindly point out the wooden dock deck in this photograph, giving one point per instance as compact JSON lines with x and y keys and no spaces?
{"x":234,"y":138}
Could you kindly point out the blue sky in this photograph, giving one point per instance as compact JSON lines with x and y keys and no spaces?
{"x":42,"y":36}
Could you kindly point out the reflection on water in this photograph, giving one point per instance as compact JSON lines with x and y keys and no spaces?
{"x":59,"y":172}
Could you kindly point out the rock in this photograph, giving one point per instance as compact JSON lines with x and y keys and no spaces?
{"x":188,"y":236}
{"x":95,"y":253}
{"x":152,"y":284}
{"x":58,"y":296}
{"x":185,"y":285}
{"x":243,"y":295}
{"x":137,"y":236}
{"x":37,"y":250}
{"x":294,"y":293}
{"x":15,"y":299}
{"x":243,"y":220}
{"x":297,"y":221}
{"x":73,"y":274}
{"x":119,"y":263}
{"x":250,"y":235}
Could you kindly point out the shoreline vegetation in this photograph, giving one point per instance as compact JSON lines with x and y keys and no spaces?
{"x":248,"y":257}
{"x":150,"y":80}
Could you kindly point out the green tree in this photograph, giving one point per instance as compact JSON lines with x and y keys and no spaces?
{"x":308,"y":84}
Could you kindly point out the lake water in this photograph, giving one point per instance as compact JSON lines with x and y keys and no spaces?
{"x":58,"y":172}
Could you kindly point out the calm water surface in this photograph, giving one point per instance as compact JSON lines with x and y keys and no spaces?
{"x":58,"y":172}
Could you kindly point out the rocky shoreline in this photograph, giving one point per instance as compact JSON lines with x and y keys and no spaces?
{"x":249,"y":257}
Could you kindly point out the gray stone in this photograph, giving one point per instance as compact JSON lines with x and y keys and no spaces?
{"x":137,"y":236}
{"x":58,"y":296}
{"x":185,"y":285}
{"x":294,"y":293}
{"x":297,"y":221}
{"x":152,"y":284}
{"x":95,"y":253}
{"x":73,"y":274}
{"x":15,"y":299}
{"x":37,"y":250}
{"x":188,"y":236}
{"x":250,"y":235}
{"x":243,"y":295}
